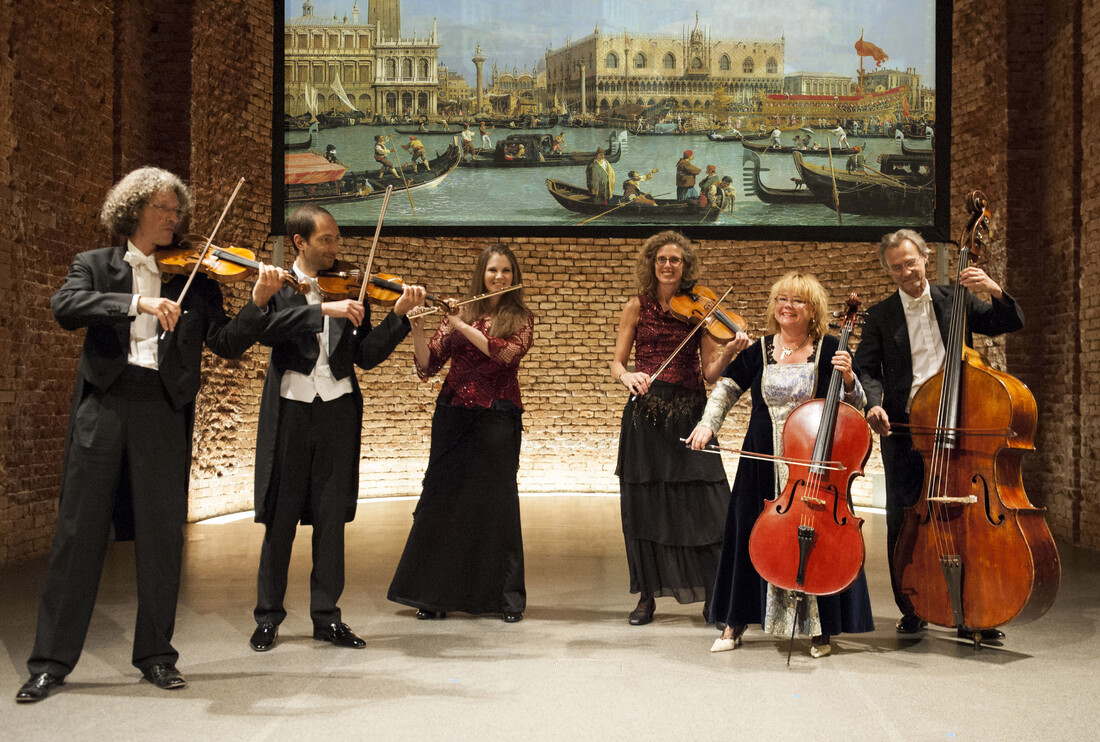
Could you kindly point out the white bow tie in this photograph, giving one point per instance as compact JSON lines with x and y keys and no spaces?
{"x":911,"y":303}
{"x":137,"y":260}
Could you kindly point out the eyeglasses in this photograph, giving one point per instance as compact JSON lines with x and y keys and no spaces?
{"x":673,"y":261}
{"x":908,"y":265}
{"x":794,"y":301}
{"x":169,"y":210}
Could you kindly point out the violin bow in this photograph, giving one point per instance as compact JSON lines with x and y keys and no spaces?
{"x":209,"y":242}
{"x":373,"y":247}
{"x":715,"y":448}
{"x":694,"y":330}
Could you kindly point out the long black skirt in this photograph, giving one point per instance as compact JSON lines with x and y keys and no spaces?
{"x":465,"y":549}
{"x":673,"y":500}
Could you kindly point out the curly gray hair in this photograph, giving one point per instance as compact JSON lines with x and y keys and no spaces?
{"x":122,"y":207}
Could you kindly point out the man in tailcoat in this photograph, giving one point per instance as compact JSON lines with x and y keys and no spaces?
{"x":307,"y":442}
{"x":128,"y":448}
{"x":902,"y":346}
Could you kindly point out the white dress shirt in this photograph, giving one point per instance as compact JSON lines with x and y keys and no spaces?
{"x":319,"y":382}
{"x":925,"y":343}
{"x":145,"y":328}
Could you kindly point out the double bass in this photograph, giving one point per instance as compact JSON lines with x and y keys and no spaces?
{"x":973,"y":552}
{"x":808,"y":540}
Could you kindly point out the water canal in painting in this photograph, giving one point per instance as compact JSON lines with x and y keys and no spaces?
{"x":511,"y":197}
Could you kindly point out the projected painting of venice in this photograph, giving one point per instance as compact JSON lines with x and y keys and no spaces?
{"x":517,"y":112}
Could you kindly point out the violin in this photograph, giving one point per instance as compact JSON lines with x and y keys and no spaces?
{"x":808,"y":540}
{"x":344,"y":278}
{"x":223,"y":264}
{"x":973,"y":552}
{"x":694,"y":305}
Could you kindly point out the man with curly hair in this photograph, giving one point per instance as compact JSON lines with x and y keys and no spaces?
{"x":128,"y":448}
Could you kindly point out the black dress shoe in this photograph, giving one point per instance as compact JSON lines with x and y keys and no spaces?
{"x":643,"y":613}
{"x":911,"y":624}
{"x":510,"y":617}
{"x":38,"y":687}
{"x":165,"y":676}
{"x":263,"y":638}
{"x":424,"y":615}
{"x":985,"y":635}
{"x":339,"y":634}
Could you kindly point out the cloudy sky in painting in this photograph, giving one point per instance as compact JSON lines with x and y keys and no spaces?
{"x":820,"y":34}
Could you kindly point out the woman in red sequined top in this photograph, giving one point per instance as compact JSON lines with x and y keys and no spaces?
{"x":673,"y":500}
{"x":465,"y":549}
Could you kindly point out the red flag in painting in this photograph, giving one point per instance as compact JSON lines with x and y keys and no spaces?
{"x":905,"y":107}
{"x":867,"y":49}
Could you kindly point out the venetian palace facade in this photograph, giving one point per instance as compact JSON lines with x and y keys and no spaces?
{"x":380,"y":72}
{"x":601,"y":71}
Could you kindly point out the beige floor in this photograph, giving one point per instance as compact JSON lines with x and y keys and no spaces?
{"x":573,"y":669}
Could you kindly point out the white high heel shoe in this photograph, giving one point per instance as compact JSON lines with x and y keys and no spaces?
{"x":726,"y":644}
{"x":723,"y":645}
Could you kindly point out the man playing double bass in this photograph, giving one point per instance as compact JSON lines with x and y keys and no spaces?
{"x":903,"y":343}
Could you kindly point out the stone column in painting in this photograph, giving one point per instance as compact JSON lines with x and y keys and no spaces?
{"x":479,"y":60}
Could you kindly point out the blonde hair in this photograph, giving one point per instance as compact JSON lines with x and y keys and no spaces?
{"x":644,"y":268}
{"x":809,"y":288}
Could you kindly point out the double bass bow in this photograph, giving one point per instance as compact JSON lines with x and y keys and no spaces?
{"x":808,"y":540}
{"x":973,"y":552}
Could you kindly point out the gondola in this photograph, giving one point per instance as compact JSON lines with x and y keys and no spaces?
{"x":771,"y":195}
{"x":307,"y":144}
{"x":766,"y":148}
{"x":298,"y":146}
{"x":925,"y":152}
{"x":904,"y":187}
{"x":535,"y":150}
{"x":667,"y":210}
{"x":722,"y":137}
{"x":430,"y":132}
{"x":311,"y":178}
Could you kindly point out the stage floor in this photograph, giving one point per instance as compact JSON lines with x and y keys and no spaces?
{"x":573,"y":669}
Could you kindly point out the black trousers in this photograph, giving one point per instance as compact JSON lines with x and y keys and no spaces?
{"x":904,"y":467}
{"x":315,"y":477}
{"x":129,"y":436}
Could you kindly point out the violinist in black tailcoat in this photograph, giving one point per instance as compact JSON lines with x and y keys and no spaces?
{"x":128,"y":447}
{"x":307,"y":441}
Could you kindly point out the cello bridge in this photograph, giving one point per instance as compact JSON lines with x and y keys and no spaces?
{"x":813,"y":501}
{"x":967,"y":500}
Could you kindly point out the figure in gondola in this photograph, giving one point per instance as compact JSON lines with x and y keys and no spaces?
{"x":380,"y":153}
{"x":600,"y":176}
{"x":416,"y":148}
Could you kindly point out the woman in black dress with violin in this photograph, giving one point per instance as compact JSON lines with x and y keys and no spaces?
{"x":673,"y":500}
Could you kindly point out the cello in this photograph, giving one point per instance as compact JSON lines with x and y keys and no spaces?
{"x":808,"y":540}
{"x":973,"y":552}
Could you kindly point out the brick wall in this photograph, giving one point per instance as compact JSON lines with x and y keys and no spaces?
{"x":56,"y":131}
{"x":157,"y":82}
